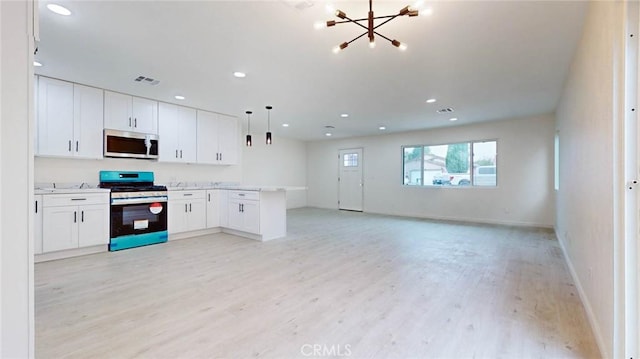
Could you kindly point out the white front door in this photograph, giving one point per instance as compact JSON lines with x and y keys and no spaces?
{"x":350,"y":180}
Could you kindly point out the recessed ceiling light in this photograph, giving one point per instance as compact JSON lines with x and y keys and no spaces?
{"x":328,"y":134}
{"x":344,"y":115}
{"x":285,"y":125}
{"x":37,"y":64}
{"x":382,"y":128}
{"x":60,"y":10}
{"x":426,"y":12}
{"x":431,"y":100}
{"x":178,"y":97}
{"x":453,"y":119}
{"x":239,"y":74}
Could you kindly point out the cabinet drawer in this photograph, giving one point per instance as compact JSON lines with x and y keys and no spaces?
{"x":53,"y":200}
{"x":188,"y":195}
{"x":250,"y":195}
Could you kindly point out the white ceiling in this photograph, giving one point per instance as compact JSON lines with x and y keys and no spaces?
{"x":488,"y":60}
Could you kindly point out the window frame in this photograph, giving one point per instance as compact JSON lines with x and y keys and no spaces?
{"x":471,"y":163}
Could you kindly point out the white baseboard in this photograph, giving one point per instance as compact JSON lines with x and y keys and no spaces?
{"x":595,"y":327}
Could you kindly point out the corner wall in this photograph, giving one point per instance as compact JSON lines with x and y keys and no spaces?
{"x":524,"y":195}
{"x":585,"y":200}
{"x":16,"y":182}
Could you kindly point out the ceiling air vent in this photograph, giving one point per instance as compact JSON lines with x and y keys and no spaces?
{"x":328,"y":127}
{"x":146,"y":80}
{"x":445,"y":110}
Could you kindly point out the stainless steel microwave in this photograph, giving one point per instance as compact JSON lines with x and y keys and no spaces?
{"x":130,"y":144}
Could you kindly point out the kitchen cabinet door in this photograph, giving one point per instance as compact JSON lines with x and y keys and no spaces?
{"x":59,"y":228}
{"x":251,"y":216}
{"x":37,"y":231}
{"x":234,"y":217}
{"x":223,"y":207}
{"x":177,"y":129}
{"x":130,"y":113}
{"x":228,"y":140}
{"x":213,"y":208}
{"x":178,"y":212}
{"x":168,"y":130}
{"x":187,"y":134}
{"x":145,"y":115}
{"x":55,"y":117}
{"x":207,"y":138}
{"x":117,"y":111}
{"x":93,"y":225}
{"x":88,"y":121}
{"x":197,"y":215}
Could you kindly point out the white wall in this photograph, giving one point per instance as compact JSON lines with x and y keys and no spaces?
{"x":585,"y":200}
{"x":524,"y":195}
{"x":62,"y":170}
{"x":283,"y":163}
{"x":16,"y":182}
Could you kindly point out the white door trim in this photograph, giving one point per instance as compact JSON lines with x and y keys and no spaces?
{"x":360,"y":206}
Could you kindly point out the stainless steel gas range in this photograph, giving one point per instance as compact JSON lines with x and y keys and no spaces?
{"x":138,"y":209}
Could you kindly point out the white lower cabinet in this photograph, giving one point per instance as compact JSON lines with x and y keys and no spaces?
{"x":254,"y":214}
{"x":244,"y":211}
{"x":37,"y":232}
{"x":74,"y":221}
{"x":187,"y":211}
{"x":213,"y":208}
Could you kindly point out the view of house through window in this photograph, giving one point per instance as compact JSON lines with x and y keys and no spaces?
{"x":455,"y":164}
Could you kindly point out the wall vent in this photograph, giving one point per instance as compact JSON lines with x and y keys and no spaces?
{"x":445,"y":110}
{"x":146,"y":80}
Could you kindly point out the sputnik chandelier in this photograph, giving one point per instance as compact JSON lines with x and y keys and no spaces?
{"x":370,"y":27}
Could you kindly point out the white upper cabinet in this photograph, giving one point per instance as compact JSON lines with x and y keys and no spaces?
{"x":88,"y":122}
{"x":69,"y":119}
{"x":177,"y":130}
{"x":55,"y":117}
{"x":228,"y":143}
{"x":217,"y":139}
{"x":130,"y":113}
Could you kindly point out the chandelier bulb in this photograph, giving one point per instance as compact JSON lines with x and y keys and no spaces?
{"x":372,"y":44}
{"x":340,"y":14}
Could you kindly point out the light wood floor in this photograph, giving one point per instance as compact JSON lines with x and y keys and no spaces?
{"x":350,"y":283}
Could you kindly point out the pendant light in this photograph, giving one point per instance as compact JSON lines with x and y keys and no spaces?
{"x":268,"y":124}
{"x":249,"y":128}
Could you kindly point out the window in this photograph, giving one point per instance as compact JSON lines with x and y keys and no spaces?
{"x":350,"y":160}
{"x":455,"y":164}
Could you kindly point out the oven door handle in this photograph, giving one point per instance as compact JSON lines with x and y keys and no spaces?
{"x":127,"y":201}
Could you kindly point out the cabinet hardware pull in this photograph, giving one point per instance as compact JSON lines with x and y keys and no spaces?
{"x":185,"y":208}
{"x":36,"y":206}
{"x":208,"y":196}
{"x":75,"y":217}
{"x":78,"y":199}
{"x":189,"y":207}
{"x":82,"y":216}
{"x":239,"y":206}
{"x":188,"y":194}
{"x":220,"y":156}
{"x":129,"y":121}
{"x":69,"y":145}
{"x":76,"y":146}
{"x":135,"y":122}
{"x":176,"y":153}
{"x":180,"y":153}
{"x":217,"y":156}
{"x":241,"y":194}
